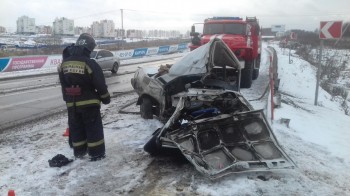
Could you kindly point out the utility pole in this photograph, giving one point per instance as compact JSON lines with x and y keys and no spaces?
{"x":318,"y":71}
{"x":328,"y":30}
{"x":121,"y":12}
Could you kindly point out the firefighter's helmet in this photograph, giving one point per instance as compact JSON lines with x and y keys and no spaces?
{"x":87,"y":41}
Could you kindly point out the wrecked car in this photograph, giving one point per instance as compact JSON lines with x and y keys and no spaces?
{"x":212,"y":66}
{"x":207,"y":119}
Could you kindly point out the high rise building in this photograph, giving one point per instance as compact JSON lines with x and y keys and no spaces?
{"x":42,"y":29}
{"x":26,"y":25}
{"x":63,"y":26}
{"x":104,"y":28}
{"x":80,"y":30}
{"x":2,"y":29}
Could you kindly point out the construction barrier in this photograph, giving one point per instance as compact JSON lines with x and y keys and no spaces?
{"x":43,"y":61}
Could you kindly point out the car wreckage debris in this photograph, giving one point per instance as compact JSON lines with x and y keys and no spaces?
{"x":227,"y":138}
{"x":206,"y":117}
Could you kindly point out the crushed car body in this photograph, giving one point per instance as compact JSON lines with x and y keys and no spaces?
{"x":212,"y":66}
{"x":211,"y":123}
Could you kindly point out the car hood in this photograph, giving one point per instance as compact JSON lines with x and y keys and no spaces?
{"x":202,"y":60}
{"x":219,"y":133}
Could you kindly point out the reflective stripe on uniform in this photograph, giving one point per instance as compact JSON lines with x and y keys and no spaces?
{"x":76,"y":67}
{"x":86,"y":102}
{"x":77,"y":144}
{"x":94,"y":144}
{"x":105,"y":95}
{"x":88,"y":69}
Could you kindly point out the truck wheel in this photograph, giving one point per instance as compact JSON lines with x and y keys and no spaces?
{"x":115,"y":68}
{"x":247,"y":75}
{"x":255,"y":74}
{"x":146,"y":108}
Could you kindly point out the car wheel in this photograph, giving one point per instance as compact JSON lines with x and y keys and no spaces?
{"x":146,"y":108}
{"x":115,"y":68}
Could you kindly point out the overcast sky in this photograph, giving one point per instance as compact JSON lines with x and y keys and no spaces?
{"x":174,"y":14}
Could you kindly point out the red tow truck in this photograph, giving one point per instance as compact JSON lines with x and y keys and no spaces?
{"x":243,"y":37}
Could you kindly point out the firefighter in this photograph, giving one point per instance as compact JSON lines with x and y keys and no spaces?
{"x":83,"y":89}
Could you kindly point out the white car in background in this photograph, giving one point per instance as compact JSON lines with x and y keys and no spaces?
{"x":106,"y":60}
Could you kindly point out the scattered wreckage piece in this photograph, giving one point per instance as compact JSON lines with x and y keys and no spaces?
{"x":219,"y":133}
{"x":206,"y":118}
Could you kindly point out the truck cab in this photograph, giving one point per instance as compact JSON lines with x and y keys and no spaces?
{"x":241,"y":36}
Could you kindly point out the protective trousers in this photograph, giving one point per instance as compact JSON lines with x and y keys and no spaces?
{"x":86,"y":130}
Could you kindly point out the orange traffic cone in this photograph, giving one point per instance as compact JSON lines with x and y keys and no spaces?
{"x":66,"y":133}
{"x":11,"y":193}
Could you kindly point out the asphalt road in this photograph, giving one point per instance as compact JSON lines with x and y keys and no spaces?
{"x":28,"y":98}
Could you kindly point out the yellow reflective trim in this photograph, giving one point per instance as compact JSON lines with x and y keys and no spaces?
{"x":77,"y":144}
{"x":86,"y":102}
{"x":105,"y":95}
{"x":59,"y":68}
{"x":88,"y":69}
{"x":94,"y":144}
{"x":76,"y":67}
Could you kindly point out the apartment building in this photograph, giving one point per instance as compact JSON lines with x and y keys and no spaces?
{"x":103,"y":29}
{"x":63,"y":26}
{"x":26,"y":25}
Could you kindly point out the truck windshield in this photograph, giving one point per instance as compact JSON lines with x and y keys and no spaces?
{"x":229,"y":28}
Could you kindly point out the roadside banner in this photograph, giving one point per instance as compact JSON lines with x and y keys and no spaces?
{"x":3,"y":63}
{"x":152,"y":51}
{"x":163,"y":49}
{"x":139,"y":52}
{"x":24,"y":63}
{"x":37,"y":62}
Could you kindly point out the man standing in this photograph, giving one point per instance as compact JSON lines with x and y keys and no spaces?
{"x":83,"y":89}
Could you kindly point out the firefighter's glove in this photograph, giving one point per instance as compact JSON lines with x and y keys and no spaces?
{"x":106,"y":100}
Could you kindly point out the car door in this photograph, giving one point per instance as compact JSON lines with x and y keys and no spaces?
{"x":101,"y":59}
{"x":109,"y":60}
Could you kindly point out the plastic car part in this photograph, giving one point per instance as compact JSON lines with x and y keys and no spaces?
{"x":146,"y":108}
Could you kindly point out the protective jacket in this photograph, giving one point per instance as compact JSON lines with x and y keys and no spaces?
{"x":82,"y":80}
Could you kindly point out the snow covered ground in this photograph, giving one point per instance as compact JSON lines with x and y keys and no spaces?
{"x":316,"y":139}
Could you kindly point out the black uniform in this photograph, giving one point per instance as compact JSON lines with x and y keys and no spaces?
{"x":83,"y":89}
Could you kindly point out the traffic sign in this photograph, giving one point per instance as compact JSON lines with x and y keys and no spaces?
{"x":331,"y":29}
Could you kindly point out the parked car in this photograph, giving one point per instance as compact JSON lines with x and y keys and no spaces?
{"x":106,"y":60}
{"x":206,"y":117}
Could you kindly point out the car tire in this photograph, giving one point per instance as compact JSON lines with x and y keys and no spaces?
{"x":146,"y":108}
{"x":115,"y":68}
